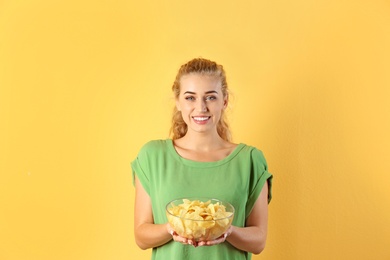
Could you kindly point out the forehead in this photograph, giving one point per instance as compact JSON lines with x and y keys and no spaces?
{"x":199,"y":83}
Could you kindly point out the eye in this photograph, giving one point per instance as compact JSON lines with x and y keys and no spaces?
{"x":189,"y":98}
{"x":208,"y":98}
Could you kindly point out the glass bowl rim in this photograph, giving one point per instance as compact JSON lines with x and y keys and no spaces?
{"x":225,"y":203}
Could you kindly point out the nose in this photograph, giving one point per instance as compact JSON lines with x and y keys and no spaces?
{"x":201,"y":106}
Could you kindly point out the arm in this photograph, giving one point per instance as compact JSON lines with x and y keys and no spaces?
{"x":253,"y":236}
{"x":147,"y":234}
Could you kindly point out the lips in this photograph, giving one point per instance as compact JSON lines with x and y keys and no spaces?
{"x":201,"y":119}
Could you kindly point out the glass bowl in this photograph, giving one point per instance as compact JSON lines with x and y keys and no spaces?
{"x":200,"y":219}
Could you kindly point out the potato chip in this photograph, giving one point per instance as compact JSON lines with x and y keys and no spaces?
{"x":198,"y":220}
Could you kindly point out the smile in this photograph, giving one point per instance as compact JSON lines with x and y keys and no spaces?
{"x":201,"y":118}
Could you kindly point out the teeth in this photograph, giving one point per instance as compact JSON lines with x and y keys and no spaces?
{"x":201,"y":118}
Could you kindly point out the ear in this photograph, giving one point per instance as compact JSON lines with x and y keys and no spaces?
{"x":225,"y":102}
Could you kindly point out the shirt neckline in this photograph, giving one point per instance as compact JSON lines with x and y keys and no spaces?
{"x":192,"y":163}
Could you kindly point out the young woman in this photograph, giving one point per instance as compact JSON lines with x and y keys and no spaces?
{"x":201,"y":161}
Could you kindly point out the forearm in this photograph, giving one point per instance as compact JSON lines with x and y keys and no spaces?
{"x":250,"y":239}
{"x":149,"y":235}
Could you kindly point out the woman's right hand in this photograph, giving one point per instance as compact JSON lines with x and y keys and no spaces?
{"x":178,"y":238}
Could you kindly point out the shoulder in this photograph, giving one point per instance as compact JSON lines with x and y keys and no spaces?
{"x":254,"y":153}
{"x":154,"y":146}
{"x":252,"y":150}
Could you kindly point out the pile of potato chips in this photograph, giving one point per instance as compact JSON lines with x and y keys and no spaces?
{"x":200,"y":221}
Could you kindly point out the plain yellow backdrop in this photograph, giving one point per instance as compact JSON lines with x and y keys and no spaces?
{"x":83,"y":84}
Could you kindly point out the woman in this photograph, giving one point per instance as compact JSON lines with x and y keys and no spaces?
{"x":201,"y":161}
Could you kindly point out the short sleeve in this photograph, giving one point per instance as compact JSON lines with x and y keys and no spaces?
{"x":140,"y":167}
{"x":259,"y":176}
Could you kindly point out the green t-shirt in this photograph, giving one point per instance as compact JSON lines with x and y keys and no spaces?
{"x":166,"y":176}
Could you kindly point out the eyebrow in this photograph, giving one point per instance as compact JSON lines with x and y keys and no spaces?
{"x":207,"y":92}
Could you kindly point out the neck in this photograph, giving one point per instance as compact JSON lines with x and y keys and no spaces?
{"x":202,"y":141}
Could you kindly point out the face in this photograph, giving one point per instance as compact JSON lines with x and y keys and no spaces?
{"x":201,"y":102}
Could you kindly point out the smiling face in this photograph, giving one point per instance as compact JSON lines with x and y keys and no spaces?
{"x":201,"y":102}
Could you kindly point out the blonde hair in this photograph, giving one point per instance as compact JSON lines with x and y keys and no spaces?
{"x":203,"y":67}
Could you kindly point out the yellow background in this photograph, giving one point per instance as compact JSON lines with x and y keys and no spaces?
{"x":83,"y":84}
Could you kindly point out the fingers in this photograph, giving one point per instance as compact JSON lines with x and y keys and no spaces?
{"x":219,"y":240}
{"x":170,"y":229}
{"x":186,"y":241}
{"x":178,"y":238}
{"x":229,"y":231}
{"x":192,"y":243}
{"x":183,"y":240}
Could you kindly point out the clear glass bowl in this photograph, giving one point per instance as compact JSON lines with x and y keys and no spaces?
{"x":208,"y":227}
